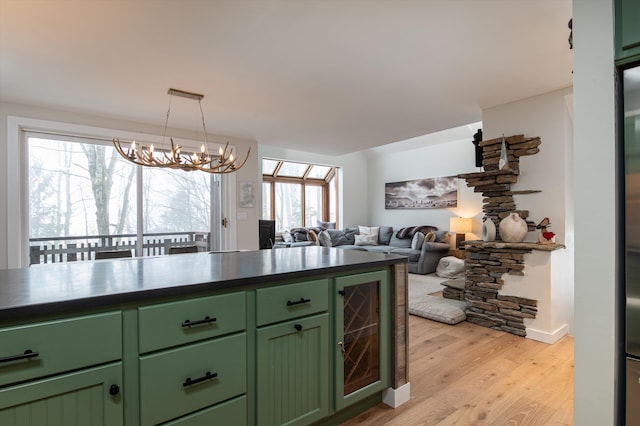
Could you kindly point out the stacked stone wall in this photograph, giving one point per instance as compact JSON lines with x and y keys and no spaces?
{"x":486,"y":263}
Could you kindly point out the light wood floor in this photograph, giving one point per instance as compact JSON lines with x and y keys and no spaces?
{"x":471,"y":375}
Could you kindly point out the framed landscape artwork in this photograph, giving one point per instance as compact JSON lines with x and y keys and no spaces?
{"x":430,"y":193}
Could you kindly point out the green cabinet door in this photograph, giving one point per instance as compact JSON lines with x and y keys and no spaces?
{"x":86,"y":398}
{"x":627,"y":30}
{"x":362,"y":333}
{"x":292,"y":371}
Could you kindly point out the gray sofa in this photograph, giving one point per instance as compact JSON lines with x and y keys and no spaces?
{"x":422,"y":260}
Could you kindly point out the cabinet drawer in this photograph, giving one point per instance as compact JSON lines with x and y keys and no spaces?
{"x":58,"y":346}
{"x":165,"y":392}
{"x":291,"y":301}
{"x":232,"y":412}
{"x":176,"y":323}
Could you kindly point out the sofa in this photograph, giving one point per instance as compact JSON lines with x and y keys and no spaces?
{"x":424,"y":246}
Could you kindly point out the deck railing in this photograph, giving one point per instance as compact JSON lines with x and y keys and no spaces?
{"x":82,"y":248}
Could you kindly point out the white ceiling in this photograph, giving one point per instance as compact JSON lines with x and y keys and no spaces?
{"x":323,"y":76}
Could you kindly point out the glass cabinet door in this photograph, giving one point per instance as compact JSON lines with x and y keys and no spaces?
{"x":362,"y":333}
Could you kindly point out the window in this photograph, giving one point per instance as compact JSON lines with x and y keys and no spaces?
{"x":83,"y":198}
{"x":298,"y":194}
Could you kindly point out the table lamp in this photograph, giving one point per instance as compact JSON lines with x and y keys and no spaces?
{"x":460,"y":226}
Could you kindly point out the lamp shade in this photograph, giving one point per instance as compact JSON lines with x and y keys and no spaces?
{"x":460,"y":225}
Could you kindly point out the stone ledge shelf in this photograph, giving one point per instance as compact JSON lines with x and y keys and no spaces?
{"x":503,"y":297}
{"x":523,"y":246}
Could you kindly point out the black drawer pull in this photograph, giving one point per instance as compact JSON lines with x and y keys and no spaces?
{"x":207,"y":376}
{"x":298,"y":327}
{"x":205,"y":320}
{"x":28,"y":354}
{"x":298,"y":302}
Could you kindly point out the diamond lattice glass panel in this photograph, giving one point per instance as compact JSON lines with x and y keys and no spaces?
{"x":361,"y":336}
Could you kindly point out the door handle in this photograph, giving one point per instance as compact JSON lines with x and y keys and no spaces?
{"x":225,"y":222}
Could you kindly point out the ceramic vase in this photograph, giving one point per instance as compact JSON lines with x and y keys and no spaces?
{"x":513,"y":229}
{"x":488,"y":230}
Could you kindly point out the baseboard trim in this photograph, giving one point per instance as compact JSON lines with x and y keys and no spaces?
{"x":396,"y":397}
{"x":547,"y":337}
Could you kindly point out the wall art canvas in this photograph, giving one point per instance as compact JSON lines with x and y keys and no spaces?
{"x":247,"y":197}
{"x":430,"y":193}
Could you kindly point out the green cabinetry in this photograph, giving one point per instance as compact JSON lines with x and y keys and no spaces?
{"x":62,"y":372}
{"x":193,"y":355}
{"x":293,"y":371}
{"x":292,"y":356}
{"x":292,"y":352}
{"x":362,"y":336}
{"x":627,"y":30}
{"x":87,"y":397}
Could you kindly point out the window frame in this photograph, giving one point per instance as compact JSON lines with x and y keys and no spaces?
{"x":16,"y":249}
{"x":304,"y":181}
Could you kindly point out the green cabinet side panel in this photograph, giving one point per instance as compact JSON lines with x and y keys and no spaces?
{"x":382,"y":278}
{"x":229,"y":413}
{"x":290,"y":301}
{"x":627,"y":30}
{"x":292,"y":372}
{"x":62,"y":345}
{"x":161,"y":324}
{"x":76,"y":399}
{"x":164,"y":397}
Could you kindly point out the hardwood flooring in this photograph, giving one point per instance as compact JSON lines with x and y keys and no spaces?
{"x":471,"y":375}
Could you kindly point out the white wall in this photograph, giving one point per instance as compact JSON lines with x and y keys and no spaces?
{"x":550,"y":171}
{"x":246,"y":235}
{"x":445,"y":158}
{"x":352,"y":181}
{"x":595,"y":213}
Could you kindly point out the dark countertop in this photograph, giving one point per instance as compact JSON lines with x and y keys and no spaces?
{"x":68,"y":287}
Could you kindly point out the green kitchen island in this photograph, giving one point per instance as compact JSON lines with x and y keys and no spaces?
{"x":308,"y":335}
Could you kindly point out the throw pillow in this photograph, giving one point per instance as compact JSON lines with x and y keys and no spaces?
{"x":325,"y":239}
{"x":370,"y":231}
{"x":441,"y":236}
{"x":418,"y":239}
{"x":311,"y":236}
{"x":286,"y":236}
{"x":367,"y":240}
{"x":430,"y":237}
{"x":326,"y":225}
{"x":384,"y":235}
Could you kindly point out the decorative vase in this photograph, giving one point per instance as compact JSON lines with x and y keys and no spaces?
{"x":488,"y":230}
{"x":513,"y":229}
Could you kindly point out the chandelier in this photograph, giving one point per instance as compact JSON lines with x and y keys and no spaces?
{"x":175,"y":158}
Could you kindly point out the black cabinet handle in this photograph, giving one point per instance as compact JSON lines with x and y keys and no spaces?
{"x":341,"y":292}
{"x":28,"y":354}
{"x":205,"y":320}
{"x":207,"y":376}
{"x":298,"y":327}
{"x":298,"y":302}
{"x":114,"y":390}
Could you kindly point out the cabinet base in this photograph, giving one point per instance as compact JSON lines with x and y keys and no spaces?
{"x":396,"y":397}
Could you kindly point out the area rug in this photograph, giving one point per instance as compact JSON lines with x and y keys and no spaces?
{"x":424,"y":284}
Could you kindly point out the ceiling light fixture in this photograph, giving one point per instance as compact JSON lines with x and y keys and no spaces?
{"x":173,"y":158}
